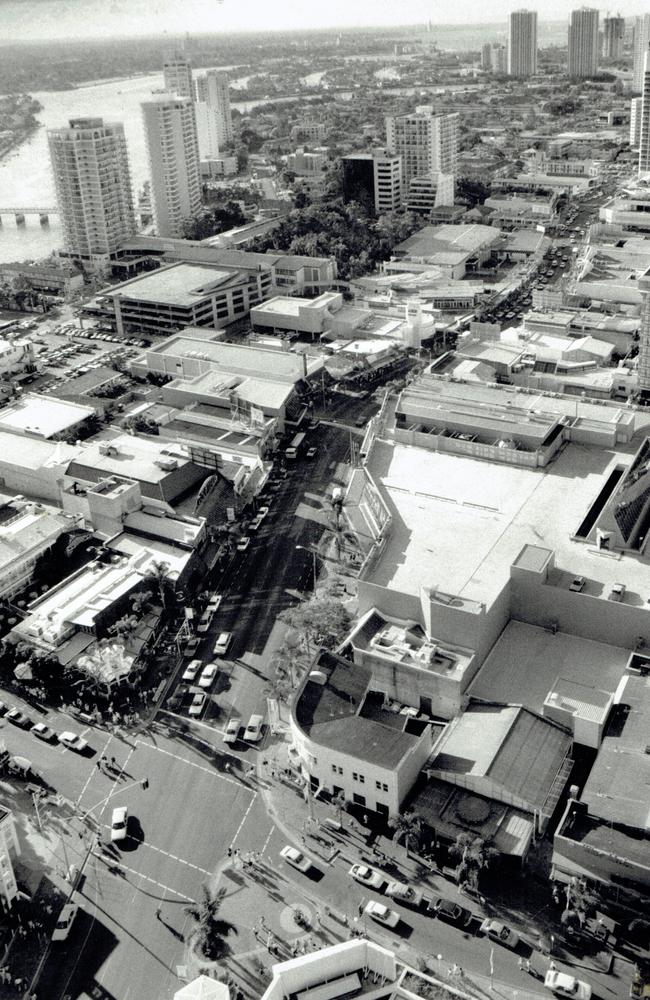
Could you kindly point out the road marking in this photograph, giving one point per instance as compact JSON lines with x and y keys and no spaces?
{"x":199,"y":767}
{"x":266,"y":842}
{"x":147,"y":878}
{"x":244,"y":818}
{"x":92,"y":772}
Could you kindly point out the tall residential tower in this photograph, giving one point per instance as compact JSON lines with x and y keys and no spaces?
{"x":644,"y":125}
{"x":583,"y":42}
{"x":427,"y":142}
{"x":93,"y":187}
{"x":613,"y":35}
{"x":641,"y":44}
{"x":177,"y":75}
{"x":522,"y":43}
{"x":173,"y":153}
{"x":213,"y":115}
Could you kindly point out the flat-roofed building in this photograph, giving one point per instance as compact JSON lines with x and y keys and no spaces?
{"x":34,"y":467}
{"x":163,"y":471}
{"x":628,"y":211}
{"x":47,"y":417}
{"x":603,"y":834}
{"x":373,"y":179}
{"x":27,"y":531}
{"x":345,"y":740}
{"x":184,"y":294}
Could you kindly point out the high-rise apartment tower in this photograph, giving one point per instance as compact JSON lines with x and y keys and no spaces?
{"x":583,"y":42}
{"x":213,"y":115}
{"x":177,"y":75}
{"x":522,"y":43}
{"x":641,"y":44}
{"x":93,"y":187}
{"x":173,"y":154}
{"x":644,"y":127}
{"x":613,"y":35}
{"x":427,"y":142}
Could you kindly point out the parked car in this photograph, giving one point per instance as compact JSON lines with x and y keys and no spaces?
{"x":255,"y":523}
{"x":253,"y":731}
{"x":213,"y":603}
{"x":617,"y":593}
{"x":577,"y":583}
{"x":295,"y":858}
{"x":368,"y":876}
{"x":204,"y":622}
{"x":566,"y":986}
{"x":222,"y":643}
{"x":381,"y":913}
{"x":208,"y":675}
{"x":64,"y":922}
{"x":44,"y":732}
{"x":264,"y":512}
{"x":500,"y":932}
{"x":119,"y":823}
{"x":4,"y":708}
{"x":405,"y":893}
{"x":18,"y":718}
{"x":312,"y":452}
{"x":450,"y":912}
{"x":198,"y":704}
{"x":192,"y":646}
{"x":191,"y":670}
{"x":231,"y":732}
{"x":72,"y":741}
{"x":243,"y":543}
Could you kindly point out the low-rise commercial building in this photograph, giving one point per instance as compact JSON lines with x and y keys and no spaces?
{"x":45,"y":417}
{"x":50,"y":279}
{"x":34,"y":467}
{"x":9,"y":849}
{"x":27,"y":531}
{"x":16,"y":356}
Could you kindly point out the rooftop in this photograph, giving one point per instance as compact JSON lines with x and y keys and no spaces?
{"x":42,"y":416}
{"x":329,"y":713}
{"x":433,"y":239}
{"x":127,"y":455}
{"x":25,"y":527}
{"x":405,"y":642}
{"x":178,"y":284}
{"x":245,"y":359}
{"x":34,"y":453}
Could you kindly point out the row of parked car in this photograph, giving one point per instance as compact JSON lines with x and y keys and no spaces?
{"x":42,"y":732}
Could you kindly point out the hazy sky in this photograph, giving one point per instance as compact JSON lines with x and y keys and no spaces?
{"x":32,"y":19}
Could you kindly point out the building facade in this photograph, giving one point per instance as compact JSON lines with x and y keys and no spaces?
{"x":426,"y":142}
{"x":173,"y":154}
{"x":213,"y":114}
{"x":9,"y":849}
{"x":522,"y":43}
{"x":644,"y":124}
{"x":641,"y":43}
{"x":644,"y":335}
{"x":374,"y":178}
{"x":636,"y":107}
{"x":93,"y":187}
{"x":177,"y":75}
{"x":583,"y":42}
{"x":613,"y":35}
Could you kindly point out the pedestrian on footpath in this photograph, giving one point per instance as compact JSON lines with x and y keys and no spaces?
{"x":552,"y":967}
{"x":158,"y":913}
{"x":529,"y":967}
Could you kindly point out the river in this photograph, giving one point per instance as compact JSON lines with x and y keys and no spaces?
{"x":25,"y":174}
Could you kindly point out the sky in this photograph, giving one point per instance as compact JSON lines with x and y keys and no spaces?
{"x":41,"y":19}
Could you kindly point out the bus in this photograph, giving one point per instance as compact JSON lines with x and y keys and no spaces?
{"x":295,"y":447}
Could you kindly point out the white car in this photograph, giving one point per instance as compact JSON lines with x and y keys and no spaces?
{"x":367,"y":876}
{"x":381,"y":913}
{"x":213,"y":603}
{"x":231,"y":731}
{"x":295,"y":858}
{"x":253,"y":731}
{"x":204,"y":622}
{"x":222,"y":643}
{"x":191,"y":670}
{"x":72,"y":741}
{"x":243,"y":543}
{"x":566,"y":986}
{"x":119,"y":822}
{"x":500,"y":932}
{"x":64,"y":923}
{"x":198,"y":703}
{"x":208,"y":675}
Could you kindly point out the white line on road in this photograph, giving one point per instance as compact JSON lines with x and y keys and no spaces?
{"x":147,"y":878}
{"x":174,"y":857}
{"x":200,"y":767}
{"x":244,"y":818}
{"x":266,"y":842}
{"x":92,"y":773}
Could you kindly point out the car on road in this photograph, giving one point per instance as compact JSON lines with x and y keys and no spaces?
{"x":4,"y":707}
{"x":312,"y":452}
{"x":231,"y":732}
{"x":192,"y":646}
{"x":405,"y":893}
{"x":564,"y":985}
{"x":208,"y":675}
{"x":72,"y":741}
{"x":381,"y":913}
{"x":497,"y":931}
{"x":221,"y":645}
{"x":119,"y":823}
{"x":577,"y":583}
{"x":213,"y":603}
{"x":264,"y":512}
{"x":64,"y":922}
{"x":18,"y":718}
{"x":450,"y":912}
{"x":617,"y":593}
{"x":191,"y":670}
{"x":44,"y":732}
{"x":204,"y":622}
{"x":243,"y":543}
{"x":253,"y":731}
{"x":198,"y":704}
{"x":256,"y":523}
{"x":295,"y":858}
{"x":368,"y":876}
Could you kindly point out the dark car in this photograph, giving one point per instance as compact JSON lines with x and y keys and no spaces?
{"x":18,"y":718}
{"x":4,"y":708}
{"x":450,"y":912}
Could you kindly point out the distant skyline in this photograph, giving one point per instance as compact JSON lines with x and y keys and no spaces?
{"x":30,"y":20}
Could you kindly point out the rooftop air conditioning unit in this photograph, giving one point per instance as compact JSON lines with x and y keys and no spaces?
{"x":318,"y":677}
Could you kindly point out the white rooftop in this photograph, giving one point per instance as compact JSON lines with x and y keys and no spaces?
{"x":43,"y":416}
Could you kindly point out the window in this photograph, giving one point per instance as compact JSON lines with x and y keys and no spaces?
{"x":337,"y":770}
{"x":359,"y":800}
{"x":381,"y":786}
{"x":358,"y":777}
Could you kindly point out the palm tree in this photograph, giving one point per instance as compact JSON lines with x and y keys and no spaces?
{"x":340,"y":803}
{"x":125,"y":628}
{"x":408,"y":828}
{"x":141,"y":602}
{"x":158,"y":575}
{"x":211,"y":930}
